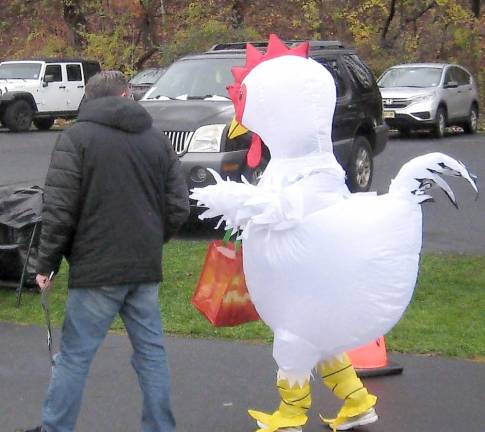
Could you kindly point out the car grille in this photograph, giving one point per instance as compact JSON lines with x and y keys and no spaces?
{"x":180,"y":140}
{"x":395,"y":103}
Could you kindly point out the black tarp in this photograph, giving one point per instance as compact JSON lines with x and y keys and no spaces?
{"x":20,"y":207}
{"x":20,"y":212}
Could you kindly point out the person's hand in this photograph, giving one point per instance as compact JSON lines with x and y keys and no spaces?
{"x":44,"y":281}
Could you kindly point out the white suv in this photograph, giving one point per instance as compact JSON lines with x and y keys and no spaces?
{"x":429,"y":96}
{"x":41,"y":91}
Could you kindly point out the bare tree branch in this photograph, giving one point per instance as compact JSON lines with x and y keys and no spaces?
{"x":75,"y":20}
{"x":441,"y":52}
{"x":148,"y":29}
{"x":238,"y":12}
{"x":420,"y":13}
{"x":144,"y":58}
{"x":405,"y":20}
{"x":392,"y":11}
{"x":475,"y":7}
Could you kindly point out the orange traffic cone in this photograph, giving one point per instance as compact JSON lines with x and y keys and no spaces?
{"x":371,"y":360}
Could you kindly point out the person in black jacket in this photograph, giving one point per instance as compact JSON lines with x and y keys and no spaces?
{"x":114,"y":193}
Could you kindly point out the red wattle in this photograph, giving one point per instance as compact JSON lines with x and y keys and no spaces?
{"x":255,"y":152}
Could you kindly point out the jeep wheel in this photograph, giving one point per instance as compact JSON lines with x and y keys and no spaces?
{"x":18,"y":116}
{"x":361,"y":166}
{"x":471,"y":125}
{"x":43,"y":123}
{"x":440,"y":123}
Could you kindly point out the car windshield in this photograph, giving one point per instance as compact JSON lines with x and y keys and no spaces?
{"x":196,"y":79}
{"x":148,"y":76}
{"x":411,"y":77}
{"x":20,"y":70}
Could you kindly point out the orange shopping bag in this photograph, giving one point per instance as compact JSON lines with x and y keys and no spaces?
{"x":221,"y":294}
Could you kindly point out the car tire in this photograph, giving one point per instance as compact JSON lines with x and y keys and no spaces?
{"x":471,"y":125}
{"x":18,"y":116}
{"x":360,"y":168}
{"x":253,"y":175}
{"x":440,"y":123}
{"x":43,"y":123}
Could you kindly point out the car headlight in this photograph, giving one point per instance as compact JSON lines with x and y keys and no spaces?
{"x":207,"y":139}
{"x":422,"y":98}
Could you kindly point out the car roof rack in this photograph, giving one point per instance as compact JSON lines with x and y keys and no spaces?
{"x":314,"y":44}
{"x":51,"y":60}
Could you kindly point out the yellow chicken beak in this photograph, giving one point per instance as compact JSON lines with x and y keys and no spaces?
{"x":236,"y":129}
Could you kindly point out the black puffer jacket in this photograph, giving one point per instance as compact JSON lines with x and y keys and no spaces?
{"x":114,"y":193}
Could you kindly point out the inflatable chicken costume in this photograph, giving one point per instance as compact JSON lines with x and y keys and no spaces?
{"x":303,"y":233}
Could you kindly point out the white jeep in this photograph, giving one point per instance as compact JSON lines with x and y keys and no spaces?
{"x":40,"y":91}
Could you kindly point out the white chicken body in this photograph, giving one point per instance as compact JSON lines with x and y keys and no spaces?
{"x":349,"y":269}
{"x":326,"y":270}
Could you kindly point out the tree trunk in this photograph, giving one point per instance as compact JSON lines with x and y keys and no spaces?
{"x":475,"y":6}
{"x":75,"y":20}
{"x":238,"y":12}
{"x":144,"y":58}
{"x":148,"y":29}
{"x":390,"y":17}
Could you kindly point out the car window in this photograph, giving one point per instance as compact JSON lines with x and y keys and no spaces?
{"x":461,"y":76}
{"x":196,"y":78}
{"x":55,"y":71}
{"x":411,"y":77}
{"x":333,"y":67}
{"x":90,"y":69}
{"x":449,"y":75}
{"x":359,"y":72}
{"x":147,"y":76}
{"x":74,"y":72}
{"x":20,"y":70}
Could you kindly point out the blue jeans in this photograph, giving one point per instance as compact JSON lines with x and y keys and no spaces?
{"x":89,"y":314}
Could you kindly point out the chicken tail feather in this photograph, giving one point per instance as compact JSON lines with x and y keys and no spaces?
{"x":422,"y":173}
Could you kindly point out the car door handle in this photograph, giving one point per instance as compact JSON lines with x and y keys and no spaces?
{"x":62,"y":87}
{"x":80,"y":86}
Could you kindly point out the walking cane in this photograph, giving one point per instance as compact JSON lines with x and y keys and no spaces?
{"x":24,"y":269}
{"x":44,"y":301}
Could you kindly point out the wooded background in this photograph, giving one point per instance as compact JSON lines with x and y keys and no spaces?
{"x":133,"y":34}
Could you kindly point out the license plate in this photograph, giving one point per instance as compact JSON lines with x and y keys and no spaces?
{"x":389,"y":114}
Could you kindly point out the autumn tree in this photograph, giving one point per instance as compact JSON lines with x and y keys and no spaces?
{"x":73,"y":14}
{"x":132,"y":34}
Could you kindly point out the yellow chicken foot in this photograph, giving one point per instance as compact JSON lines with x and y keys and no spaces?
{"x":339,"y":376}
{"x":292,"y":411}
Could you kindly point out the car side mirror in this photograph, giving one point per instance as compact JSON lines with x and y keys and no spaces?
{"x":48,"y":79}
{"x":451,"y":84}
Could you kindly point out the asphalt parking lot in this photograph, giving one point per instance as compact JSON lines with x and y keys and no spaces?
{"x":214,"y":383}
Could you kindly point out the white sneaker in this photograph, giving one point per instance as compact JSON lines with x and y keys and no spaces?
{"x":366,"y":418}
{"x":290,"y":429}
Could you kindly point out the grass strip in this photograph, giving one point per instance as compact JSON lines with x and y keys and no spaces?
{"x":446,"y":315}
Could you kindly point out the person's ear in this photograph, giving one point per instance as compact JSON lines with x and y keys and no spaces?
{"x":127,"y":94}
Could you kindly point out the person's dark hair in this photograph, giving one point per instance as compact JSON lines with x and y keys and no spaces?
{"x":106,"y":83}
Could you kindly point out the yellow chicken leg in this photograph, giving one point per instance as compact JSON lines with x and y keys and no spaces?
{"x":339,"y":376}
{"x":292,"y":412}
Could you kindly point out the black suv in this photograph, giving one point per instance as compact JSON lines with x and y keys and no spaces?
{"x":190,"y":104}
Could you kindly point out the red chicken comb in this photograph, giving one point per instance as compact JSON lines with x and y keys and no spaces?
{"x":276,"y":48}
